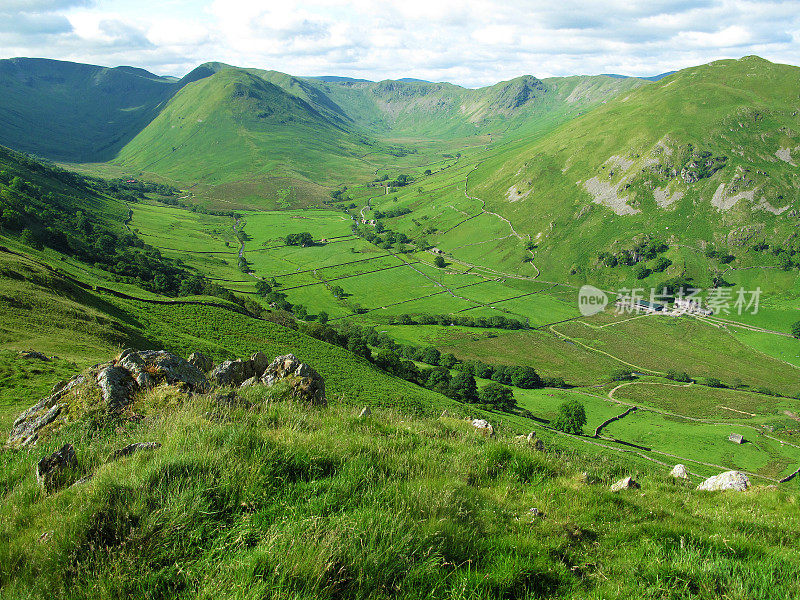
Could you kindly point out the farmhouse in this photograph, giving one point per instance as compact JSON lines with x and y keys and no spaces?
{"x":436,"y":250}
{"x":736,"y":438}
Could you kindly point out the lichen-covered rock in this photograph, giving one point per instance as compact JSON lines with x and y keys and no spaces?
{"x":260,"y":363}
{"x":174,"y":370}
{"x":201,"y":361}
{"x":625,"y":484}
{"x":249,"y":382}
{"x":50,"y":469}
{"x":25,"y":429}
{"x":729,"y":480}
{"x":131,"y":448}
{"x":114,"y":383}
{"x":679,"y":472}
{"x":117,"y":387}
{"x":304,"y":382}
{"x":484,"y":426}
{"x":232,"y":372}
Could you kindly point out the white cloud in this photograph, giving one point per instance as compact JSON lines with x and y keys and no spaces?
{"x":471,"y":43}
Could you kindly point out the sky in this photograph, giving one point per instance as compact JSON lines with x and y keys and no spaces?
{"x":467,"y":42}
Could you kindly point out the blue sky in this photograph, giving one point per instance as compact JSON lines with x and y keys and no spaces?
{"x":471,"y":43}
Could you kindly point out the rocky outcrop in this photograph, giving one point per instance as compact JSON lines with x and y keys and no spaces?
{"x":112,"y":386}
{"x":679,"y":472}
{"x":169,"y":368}
{"x":50,"y":469}
{"x":25,"y":430}
{"x":116,"y":384}
{"x":729,"y":480}
{"x":201,"y":361}
{"x":232,"y":372}
{"x":117,"y":387}
{"x":305,"y":383}
{"x":629,"y":483}
{"x":33,"y":355}
{"x":260,"y":363}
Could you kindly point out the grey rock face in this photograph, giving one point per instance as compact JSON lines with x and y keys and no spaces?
{"x":117,"y":386}
{"x":174,"y":370}
{"x":26,"y":428}
{"x":304,"y":382}
{"x":232,"y":372}
{"x":729,"y":480}
{"x":50,"y":468}
{"x":201,"y":361}
{"x":118,"y":381}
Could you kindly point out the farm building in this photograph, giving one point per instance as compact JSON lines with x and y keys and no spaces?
{"x":436,"y":250}
{"x":736,"y":438}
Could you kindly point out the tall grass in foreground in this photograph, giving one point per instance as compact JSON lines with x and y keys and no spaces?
{"x":268,"y":499}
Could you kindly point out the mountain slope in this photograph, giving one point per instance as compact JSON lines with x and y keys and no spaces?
{"x":232,"y":125}
{"x":76,"y":112}
{"x":706,"y":157}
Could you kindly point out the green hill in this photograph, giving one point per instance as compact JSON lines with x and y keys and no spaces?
{"x":220,"y":124}
{"x":75,"y":112}
{"x":701,"y":161}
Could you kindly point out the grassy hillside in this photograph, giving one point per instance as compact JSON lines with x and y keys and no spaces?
{"x":75,"y":112}
{"x":268,"y":499}
{"x":700,"y":160}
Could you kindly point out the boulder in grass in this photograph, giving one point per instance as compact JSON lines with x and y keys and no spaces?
{"x":483,"y":426}
{"x":365,"y":412}
{"x":679,"y":472}
{"x":628,"y":483}
{"x":729,"y":480}
{"x":50,"y":469}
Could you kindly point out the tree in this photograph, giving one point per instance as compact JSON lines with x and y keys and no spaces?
{"x":299,"y":239}
{"x":448,"y":361}
{"x":263,"y":288}
{"x":571,"y":417}
{"x":322,"y":317}
{"x":676,"y":375}
{"x":463,"y":387}
{"x":29,"y":238}
{"x":640,"y":271}
{"x":430,"y":355}
{"x":796,"y":329}
{"x":497,"y":396}
{"x":439,"y":380}
{"x":439,"y":262}
{"x":525,"y":378}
